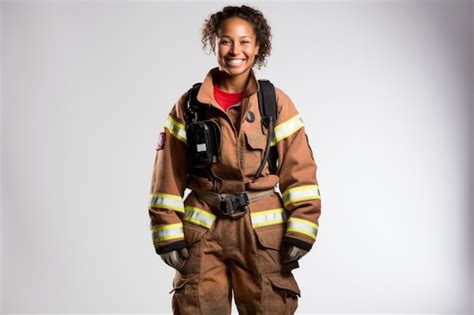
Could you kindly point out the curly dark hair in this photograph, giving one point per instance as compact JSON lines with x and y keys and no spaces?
{"x":255,"y":17}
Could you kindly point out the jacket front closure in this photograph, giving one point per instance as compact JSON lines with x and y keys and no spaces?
{"x":231,"y":163}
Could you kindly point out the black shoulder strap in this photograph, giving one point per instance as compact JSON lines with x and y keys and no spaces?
{"x":268,"y":108}
{"x":192,"y":104}
{"x":267,"y":100}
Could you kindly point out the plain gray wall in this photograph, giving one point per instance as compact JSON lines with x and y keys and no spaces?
{"x":384,"y":88}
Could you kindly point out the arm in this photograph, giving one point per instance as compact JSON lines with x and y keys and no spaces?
{"x":297,"y":173}
{"x":166,"y":207}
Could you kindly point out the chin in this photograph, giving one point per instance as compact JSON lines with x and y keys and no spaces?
{"x":235,"y":71}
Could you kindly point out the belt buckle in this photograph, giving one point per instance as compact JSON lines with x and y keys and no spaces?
{"x":226,"y":206}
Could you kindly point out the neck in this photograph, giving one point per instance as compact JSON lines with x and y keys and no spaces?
{"x":232,"y":83}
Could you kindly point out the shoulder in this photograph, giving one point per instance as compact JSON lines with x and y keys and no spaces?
{"x":285,"y":106}
{"x":281,"y":96}
{"x":178,"y":109}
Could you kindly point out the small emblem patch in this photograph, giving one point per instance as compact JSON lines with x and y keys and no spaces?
{"x":161,"y":141}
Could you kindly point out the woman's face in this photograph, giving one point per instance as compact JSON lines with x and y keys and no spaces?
{"x":236,"y":46}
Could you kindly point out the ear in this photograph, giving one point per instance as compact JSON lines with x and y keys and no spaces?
{"x":257,"y":49}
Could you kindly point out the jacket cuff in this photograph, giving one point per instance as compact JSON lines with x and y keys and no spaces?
{"x":298,"y":243}
{"x":170,"y":247}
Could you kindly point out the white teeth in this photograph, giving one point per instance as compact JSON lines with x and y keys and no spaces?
{"x":235,"y":62}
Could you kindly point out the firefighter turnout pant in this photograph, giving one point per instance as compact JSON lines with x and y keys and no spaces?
{"x":235,"y":257}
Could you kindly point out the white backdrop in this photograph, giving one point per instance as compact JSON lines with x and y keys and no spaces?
{"x":385,"y":89}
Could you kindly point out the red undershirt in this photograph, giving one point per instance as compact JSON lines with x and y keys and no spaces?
{"x":226,"y":99}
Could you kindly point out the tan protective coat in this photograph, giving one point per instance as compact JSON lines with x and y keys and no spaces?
{"x":241,"y":254}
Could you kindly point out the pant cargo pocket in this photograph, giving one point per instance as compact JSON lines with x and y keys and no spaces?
{"x":193,"y":235}
{"x":281,"y":294}
{"x":185,"y":298}
{"x":269,"y":249}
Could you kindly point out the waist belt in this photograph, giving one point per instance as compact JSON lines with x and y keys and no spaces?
{"x":233,"y":205}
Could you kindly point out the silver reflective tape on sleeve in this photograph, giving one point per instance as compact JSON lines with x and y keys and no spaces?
{"x":167,"y":232}
{"x":199,"y":216}
{"x":302,"y":226}
{"x":268,"y":217}
{"x":307,"y":192}
{"x":173,"y":202}
{"x":287,"y":128}
{"x":176,"y":129}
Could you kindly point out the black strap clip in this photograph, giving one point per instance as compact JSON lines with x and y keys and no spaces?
{"x":235,"y":205}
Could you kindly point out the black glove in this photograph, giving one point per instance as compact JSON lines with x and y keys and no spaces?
{"x":175,"y":258}
{"x":292,"y":253}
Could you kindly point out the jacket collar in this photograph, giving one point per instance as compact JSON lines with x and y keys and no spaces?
{"x":206,"y":92}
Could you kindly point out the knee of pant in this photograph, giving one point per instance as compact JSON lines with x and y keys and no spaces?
{"x":280,"y":293}
{"x":185,"y":295}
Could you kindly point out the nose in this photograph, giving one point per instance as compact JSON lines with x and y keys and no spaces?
{"x":235,"y":49}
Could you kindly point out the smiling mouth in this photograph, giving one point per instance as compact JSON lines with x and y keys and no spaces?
{"x":235,"y":62}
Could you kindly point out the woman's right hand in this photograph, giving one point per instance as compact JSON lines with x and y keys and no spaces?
{"x":176,"y":258}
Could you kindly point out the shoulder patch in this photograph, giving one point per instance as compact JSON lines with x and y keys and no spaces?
{"x":161,"y":141}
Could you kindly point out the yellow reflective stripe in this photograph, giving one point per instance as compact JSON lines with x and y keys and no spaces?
{"x":176,"y":128}
{"x":268,"y":217}
{"x":173,"y":202}
{"x":166,"y":232}
{"x":199,"y":216}
{"x":307,"y":192}
{"x":287,"y":128}
{"x":302,"y":226}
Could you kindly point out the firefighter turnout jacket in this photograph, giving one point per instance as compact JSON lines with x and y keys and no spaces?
{"x":297,"y":202}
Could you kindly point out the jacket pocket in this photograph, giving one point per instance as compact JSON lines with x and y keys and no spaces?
{"x":255,"y":140}
{"x":254,"y":149}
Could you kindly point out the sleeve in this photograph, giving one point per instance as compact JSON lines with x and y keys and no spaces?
{"x":297,"y":175}
{"x":170,"y":170}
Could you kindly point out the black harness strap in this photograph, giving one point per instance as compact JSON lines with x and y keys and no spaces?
{"x":192,"y":110}
{"x":268,"y":108}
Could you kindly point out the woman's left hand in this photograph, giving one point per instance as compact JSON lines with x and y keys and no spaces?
{"x":292,"y":253}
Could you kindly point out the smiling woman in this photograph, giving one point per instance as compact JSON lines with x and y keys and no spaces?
{"x":254,"y":18}
{"x":236,"y":51}
{"x":235,"y":232}
{"x":243,"y":40}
